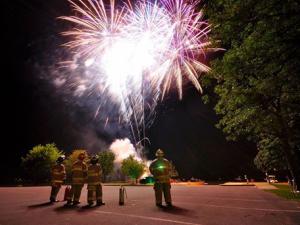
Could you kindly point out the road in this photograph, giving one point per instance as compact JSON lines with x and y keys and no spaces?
{"x":204,"y":205}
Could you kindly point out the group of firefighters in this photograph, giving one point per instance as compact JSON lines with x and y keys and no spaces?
{"x":160,"y":168}
{"x":80,"y":172}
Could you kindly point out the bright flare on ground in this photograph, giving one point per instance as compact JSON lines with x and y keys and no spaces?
{"x":139,"y":51}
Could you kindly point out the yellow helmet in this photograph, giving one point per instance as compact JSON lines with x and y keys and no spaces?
{"x":81,"y":156}
{"x":159,"y":153}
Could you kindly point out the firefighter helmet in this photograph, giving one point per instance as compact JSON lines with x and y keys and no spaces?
{"x":81,"y":156}
{"x":159,"y":153}
{"x":61,"y":158}
{"x":94,"y":159}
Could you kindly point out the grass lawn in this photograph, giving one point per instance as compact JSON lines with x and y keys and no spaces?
{"x":285,"y":192}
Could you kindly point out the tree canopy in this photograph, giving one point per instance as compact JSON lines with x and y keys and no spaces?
{"x":132,"y":168}
{"x":270,"y":156}
{"x":257,"y":79}
{"x":106,"y":160}
{"x":38,"y":161}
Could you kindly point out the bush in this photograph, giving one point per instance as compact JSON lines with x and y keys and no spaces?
{"x":38,"y":161}
{"x":132,"y":168}
{"x":106,"y":160}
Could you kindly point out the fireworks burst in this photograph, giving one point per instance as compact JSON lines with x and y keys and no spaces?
{"x":136,"y":52}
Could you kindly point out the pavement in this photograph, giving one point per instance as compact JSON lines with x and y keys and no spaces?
{"x":201,"y":205}
{"x":259,"y":185}
{"x":237,"y":184}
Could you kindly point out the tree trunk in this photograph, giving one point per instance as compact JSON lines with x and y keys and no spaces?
{"x":293,"y":162}
{"x":290,"y":154}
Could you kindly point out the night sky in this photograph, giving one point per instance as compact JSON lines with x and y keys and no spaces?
{"x":34,"y":113}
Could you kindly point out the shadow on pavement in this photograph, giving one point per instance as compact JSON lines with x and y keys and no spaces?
{"x":65,"y":208}
{"x":88,"y":208}
{"x":175,"y":210}
{"x":78,"y":208}
{"x":41,"y":205}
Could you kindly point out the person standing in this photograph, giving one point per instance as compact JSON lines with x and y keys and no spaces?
{"x":94,"y":182}
{"x":160,"y":168}
{"x":79,"y":173}
{"x":58,"y":175}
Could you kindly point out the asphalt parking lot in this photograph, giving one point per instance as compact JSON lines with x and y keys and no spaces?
{"x":203,"y":205}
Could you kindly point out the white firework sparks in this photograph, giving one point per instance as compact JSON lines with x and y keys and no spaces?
{"x":136,"y":52}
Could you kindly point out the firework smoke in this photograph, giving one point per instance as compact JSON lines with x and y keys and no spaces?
{"x":123,"y":148}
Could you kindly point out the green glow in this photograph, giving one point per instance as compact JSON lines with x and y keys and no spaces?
{"x":147,"y":180}
{"x":160,"y":167}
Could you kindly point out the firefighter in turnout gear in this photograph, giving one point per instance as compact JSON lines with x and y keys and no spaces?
{"x":58,"y":175}
{"x":79,"y":172}
{"x":94,"y":182}
{"x":160,"y":168}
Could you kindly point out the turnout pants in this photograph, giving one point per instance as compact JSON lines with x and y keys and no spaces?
{"x":94,"y":191}
{"x":54,"y":191}
{"x":75,"y":193}
{"x":160,"y":188}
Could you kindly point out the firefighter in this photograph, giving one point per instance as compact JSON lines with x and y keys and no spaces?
{"x":160,"y":168}
{"x":79,"y":172}
{"x":58,"y":175}
{"x":94,"y":182}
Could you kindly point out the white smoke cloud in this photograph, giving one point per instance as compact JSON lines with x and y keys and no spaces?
{"x":123,"y":148}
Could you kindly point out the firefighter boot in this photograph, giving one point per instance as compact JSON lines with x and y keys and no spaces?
{"x":69,"y":203}
{"x":100,"y":202}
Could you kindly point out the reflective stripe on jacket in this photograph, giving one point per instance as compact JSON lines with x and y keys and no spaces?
{"x":94,"y":174}
{"x":79,"y":170}
{"x":162,"y":179}
{"x":58,"y":174}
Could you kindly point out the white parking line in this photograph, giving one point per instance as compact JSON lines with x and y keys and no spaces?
{"x":235,"y":199}
{"x":147,"y":218}
{"x":247,"y":208}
